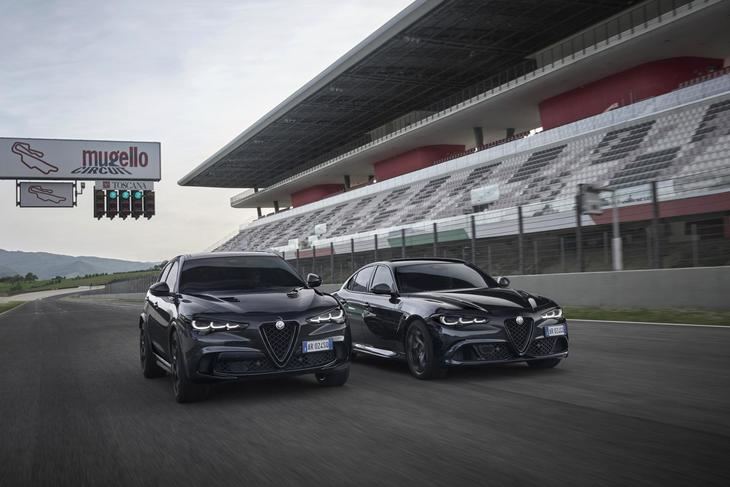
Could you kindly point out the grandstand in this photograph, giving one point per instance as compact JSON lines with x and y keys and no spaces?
{"x":632,"y":99}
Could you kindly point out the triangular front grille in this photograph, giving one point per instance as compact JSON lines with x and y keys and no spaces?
{"x":519,"y":335}
{"x":279,"y":342}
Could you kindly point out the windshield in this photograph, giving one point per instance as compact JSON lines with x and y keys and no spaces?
{"x":238,"y":273}
{"x":439,"y":276}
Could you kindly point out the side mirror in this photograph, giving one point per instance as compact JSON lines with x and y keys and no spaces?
{"x":503,"y":282}
{"x":160,"y":289}
{"x":382,"y":288}
{"x":313,"y":280}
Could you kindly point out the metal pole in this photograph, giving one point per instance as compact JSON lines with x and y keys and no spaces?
{"x":489,"y":258}
{"x":332,"y":263}
{"x":473,"y":240}
{"x":605,"y":248}
{"x":655,"y":226}
{"x":579,"y":228}
{"x":616,"y":245}
{"x":520,"y":248}
{"x":375,"y":252}
{"x":352,"y":254}
{"x":562,"y":253}
{"x":314,"y":259}
{"x":403,"y":243}
{"x":695,"y":246}
{"x":435,"y":240}
{"x":534,"y":256}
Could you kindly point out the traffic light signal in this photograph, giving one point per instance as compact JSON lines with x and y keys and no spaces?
{"x":112,"y":203}
{"x":125,"y":204}
{"x":99,"y":200}
{"x":137,"y":203}
{"x":149,"y":204}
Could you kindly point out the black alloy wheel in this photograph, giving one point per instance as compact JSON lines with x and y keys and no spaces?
{"x":184,"y":390}
{"x":420,"y":353}
{"x":150,"y":369}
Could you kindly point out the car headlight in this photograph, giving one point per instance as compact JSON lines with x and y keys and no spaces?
{"x":206,"y":325}
{"x":455,"y":320}
{"x":553,"y":313}
{"x":336,"y":315}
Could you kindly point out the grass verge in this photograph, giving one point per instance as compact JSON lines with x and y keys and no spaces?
{"x":9,"y":305}
{"x":692,"y":316}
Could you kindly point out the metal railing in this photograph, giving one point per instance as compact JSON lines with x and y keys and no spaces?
{"x":679,"y":222}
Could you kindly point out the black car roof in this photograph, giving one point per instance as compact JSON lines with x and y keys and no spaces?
{"x":421,"y":260}
{"x":207,"y":255}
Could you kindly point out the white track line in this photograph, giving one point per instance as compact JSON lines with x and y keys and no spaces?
{"x":647,"y":323}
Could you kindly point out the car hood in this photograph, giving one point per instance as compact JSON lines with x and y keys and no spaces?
{"x":483,"y":298}
{"x":263,"y":303}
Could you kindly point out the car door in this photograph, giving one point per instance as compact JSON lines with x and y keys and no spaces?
{"x":354,"y":300}
{"x":383,"y":312}
{"x":166,"y":311}
{"x":152,"y":307}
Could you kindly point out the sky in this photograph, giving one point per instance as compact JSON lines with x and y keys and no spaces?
{"x":189,"y":74}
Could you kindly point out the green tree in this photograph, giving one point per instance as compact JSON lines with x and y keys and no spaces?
{"x":31,"y":277}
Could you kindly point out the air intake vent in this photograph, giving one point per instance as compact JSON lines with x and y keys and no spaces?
{"x":279,"y":342}
{"x":519,"y":335}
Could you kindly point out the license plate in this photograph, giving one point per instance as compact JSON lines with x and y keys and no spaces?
{"x":555,"y":330}
{"x":317,"y":345}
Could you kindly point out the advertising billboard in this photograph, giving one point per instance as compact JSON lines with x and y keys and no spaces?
{"x":79,"y":159}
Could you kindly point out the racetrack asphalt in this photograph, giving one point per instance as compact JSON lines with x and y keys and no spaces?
{"x":633,"y":405}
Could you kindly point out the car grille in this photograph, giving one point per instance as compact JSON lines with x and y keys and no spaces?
{"x":298,"y":360}
{"x":547,"y":346}
{"x":493,"y":351}
{"x":279,"y":342}
{"x":519,"y":335}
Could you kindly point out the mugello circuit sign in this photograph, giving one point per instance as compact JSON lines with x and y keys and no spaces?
{"x":79,"y":159}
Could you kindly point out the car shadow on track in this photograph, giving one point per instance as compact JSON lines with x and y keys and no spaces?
{"x":498,"y":372}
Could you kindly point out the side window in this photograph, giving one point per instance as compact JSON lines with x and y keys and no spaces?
{"x":383,"y":276}
{"x":163,"y":274}
{"x":362,"y":279}
{"x":351,"y":283}
{"x":171,"y":278}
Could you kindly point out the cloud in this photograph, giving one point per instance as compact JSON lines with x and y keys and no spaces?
{"x":190,"y":74}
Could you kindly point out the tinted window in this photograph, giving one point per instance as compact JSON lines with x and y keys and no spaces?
{"x":383,"y":276}
{"x":361,"y":280}
{"x":237,"y":273}
{"x":440,"y":276}
{"x":171,"y":278}
{"x":163,"y":274}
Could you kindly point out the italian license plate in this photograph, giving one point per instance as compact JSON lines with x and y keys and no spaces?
{"x":555,"y":330}
{"x":317,"y":345}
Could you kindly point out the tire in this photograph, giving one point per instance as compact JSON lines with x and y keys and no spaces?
{"x":183,"y":389}
{"x":333,"y":379}
{"x":421,"y":353}
{"x":547,"y":363}
{"x":150,"y":369}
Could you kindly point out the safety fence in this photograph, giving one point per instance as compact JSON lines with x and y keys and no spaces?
{"x":681,"y":222}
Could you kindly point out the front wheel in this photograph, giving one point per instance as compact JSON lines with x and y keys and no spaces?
{"x":182,"y":387}
{"x":333,"y":379}
{"x":547,"y":363}
{"x":421,"y":353}
{"x":150,"y":369}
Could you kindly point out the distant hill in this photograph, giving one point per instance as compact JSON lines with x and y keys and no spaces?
{"x":46,"y":265}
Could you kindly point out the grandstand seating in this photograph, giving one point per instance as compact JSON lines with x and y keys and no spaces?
{"x":689,"y":143}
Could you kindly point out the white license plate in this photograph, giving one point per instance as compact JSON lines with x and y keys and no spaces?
{"x":555,"y":330}
{"x":317,"y":345}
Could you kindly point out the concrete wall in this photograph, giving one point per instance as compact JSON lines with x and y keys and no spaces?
{"x":699,"y":287}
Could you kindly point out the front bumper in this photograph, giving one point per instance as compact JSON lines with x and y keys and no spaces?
{"x":225,"y":356}
{"x":492,"y":344}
